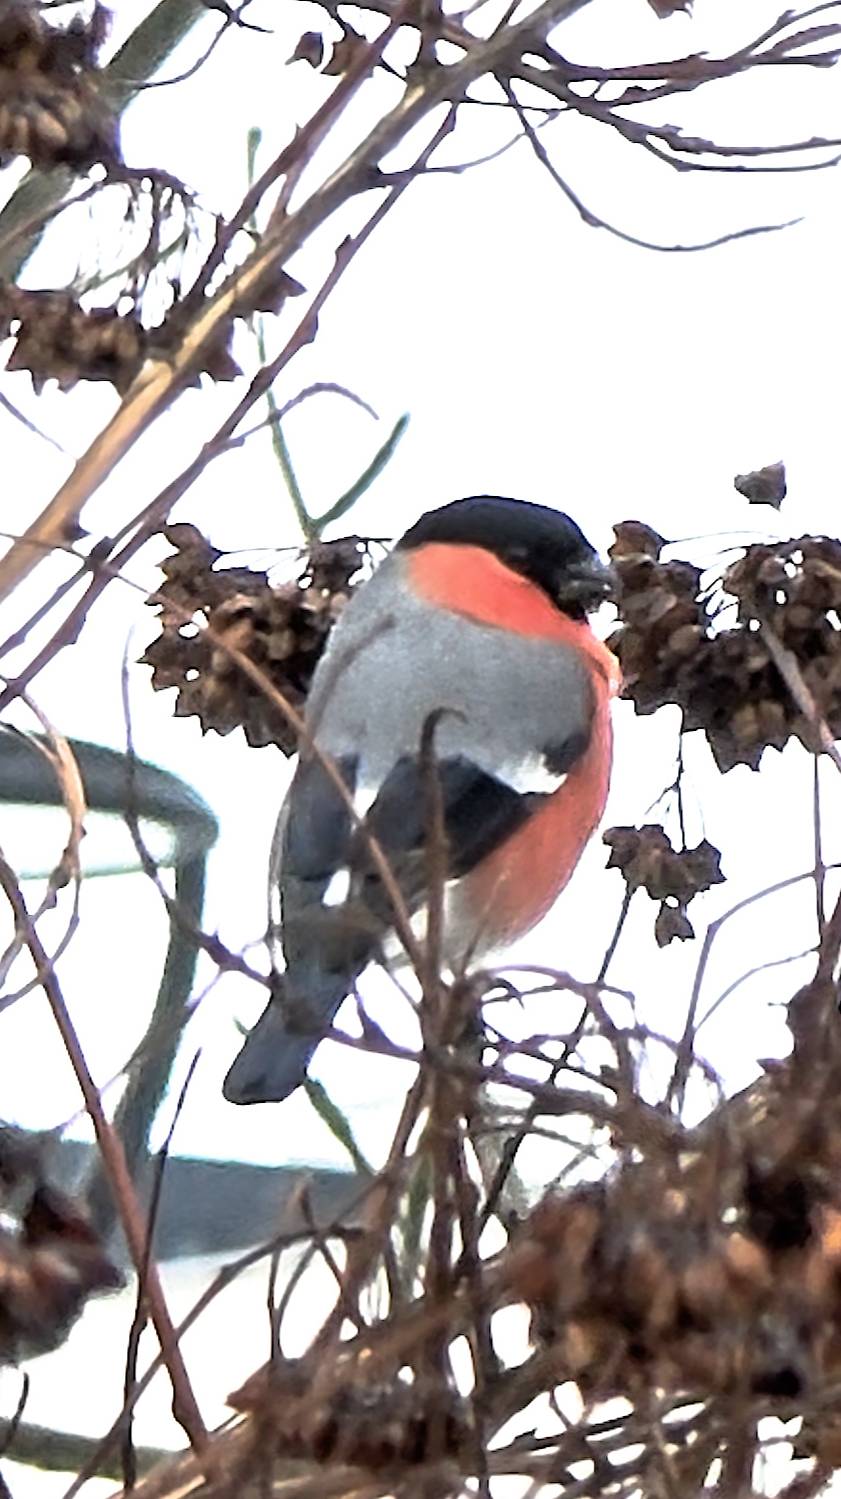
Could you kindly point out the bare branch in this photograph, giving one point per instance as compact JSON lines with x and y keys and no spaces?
{"x":185,"y":1409}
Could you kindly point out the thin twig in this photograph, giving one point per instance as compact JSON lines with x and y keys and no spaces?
{"x":129,"y":1454}
{"x":683,"y":1063}
{"x":160,"y":381}
{"x":595,"y":221}
{"x":320,"y":388}
{"x":185,"y":1408}
{"x":155,"y":513}
{"x":820,"y":866}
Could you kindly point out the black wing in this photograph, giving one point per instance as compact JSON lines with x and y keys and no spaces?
{"x":327,"y":942}
{"x":321,"y":839}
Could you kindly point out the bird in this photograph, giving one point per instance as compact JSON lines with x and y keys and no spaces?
{"x":469,"y":648}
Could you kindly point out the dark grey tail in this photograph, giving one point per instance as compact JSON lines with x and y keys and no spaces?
{"x":277,"y":1052}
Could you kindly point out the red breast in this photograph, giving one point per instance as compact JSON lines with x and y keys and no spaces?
{"x":518,"y":883}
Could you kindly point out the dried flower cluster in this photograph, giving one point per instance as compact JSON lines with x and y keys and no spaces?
{"x":671,"y":876}
{"x":51,"y":106}
{"x":57,"y":339}
{"x":51,"y":1260}
{"x":704,"y":1269}
{"x":764,"y":486}
{"x":282,"y":630}
{"x":793,"y":588}
{"x":669,"y":644}
{"x":379,"y":1426}
{"x":712,"y":1270}
{"x":724,"y":680}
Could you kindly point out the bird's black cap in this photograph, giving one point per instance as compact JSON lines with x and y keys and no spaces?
{"x":542,"y":544}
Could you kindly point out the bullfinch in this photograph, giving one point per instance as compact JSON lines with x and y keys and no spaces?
{"x":476,"y":624}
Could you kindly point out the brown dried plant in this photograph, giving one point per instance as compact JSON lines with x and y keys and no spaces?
{"x":694,"y":1271}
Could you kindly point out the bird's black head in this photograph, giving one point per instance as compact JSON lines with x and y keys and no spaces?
{"x":544,"y":545}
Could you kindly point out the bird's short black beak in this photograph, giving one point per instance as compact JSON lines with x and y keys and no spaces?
{"x":586,"y":585}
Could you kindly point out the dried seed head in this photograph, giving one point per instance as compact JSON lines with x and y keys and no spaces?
{"x":282,"y":630}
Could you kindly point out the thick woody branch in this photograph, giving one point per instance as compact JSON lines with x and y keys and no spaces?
{"x":160,"y":381}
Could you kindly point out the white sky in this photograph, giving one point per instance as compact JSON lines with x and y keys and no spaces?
{"x":537,"y":358}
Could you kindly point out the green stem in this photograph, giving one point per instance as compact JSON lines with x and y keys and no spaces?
{"x":280,"y":447}
{"x":347,"y":500}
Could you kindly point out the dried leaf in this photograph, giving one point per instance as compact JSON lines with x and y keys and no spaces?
{"x":765,"y":486}
{"x":344,"y":53}
{"x":269,"y":292}
{"x":666,"y":8}
{"x":310,"y":48}
{"x":635,"y":538}
{"x":672,"y":924}
{"x":647,"y":860}
{"x":57,"y":339}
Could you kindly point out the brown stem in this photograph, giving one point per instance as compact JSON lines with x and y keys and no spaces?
{"x":154,"y":514}
{"x":184,"y":1405}
{"x":159,"y":381}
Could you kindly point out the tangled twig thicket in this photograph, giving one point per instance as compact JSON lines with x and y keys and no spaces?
{"x":698,"y":1278}
{"x":243,"y":269}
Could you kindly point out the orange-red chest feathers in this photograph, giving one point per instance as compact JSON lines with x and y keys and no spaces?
{"x":518,"y":882}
